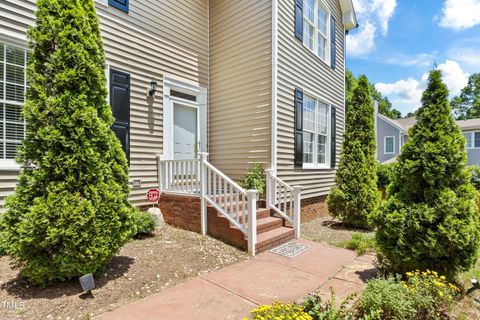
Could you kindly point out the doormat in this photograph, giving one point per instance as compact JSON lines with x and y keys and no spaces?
{"x":290,"y":249}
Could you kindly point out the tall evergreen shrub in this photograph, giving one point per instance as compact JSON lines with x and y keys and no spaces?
{"x":69,"y":214}
{"x":355,"y":195}
{"x":429,"y":220}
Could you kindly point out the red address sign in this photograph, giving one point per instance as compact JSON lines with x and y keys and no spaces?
{"x":153,"y":195}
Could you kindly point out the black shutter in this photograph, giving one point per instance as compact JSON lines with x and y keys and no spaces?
{"x":298,"y":128}
{"x":333,"y":139}
{"x":299,"y":19}
{"x":333,"y":51}
{"x":120,"y":102}
{"x":119,"y":4}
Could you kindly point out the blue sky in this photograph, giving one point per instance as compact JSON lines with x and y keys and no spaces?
{"x":399,"y":41}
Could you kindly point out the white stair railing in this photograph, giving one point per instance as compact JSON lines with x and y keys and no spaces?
{"x":179,"y":176}
{"x":284,"y":200}
{"x":237,"y":205}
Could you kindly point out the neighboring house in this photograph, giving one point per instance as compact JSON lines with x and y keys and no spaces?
{"x":392,"y":135}
{"x":246,"y":81}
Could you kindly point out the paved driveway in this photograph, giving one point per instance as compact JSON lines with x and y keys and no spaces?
{"x":231,"y":293}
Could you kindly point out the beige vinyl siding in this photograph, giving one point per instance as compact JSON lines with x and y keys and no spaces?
{"x":240,"y":84}
{"x":299,"y":67}
{"x":156,"y":38}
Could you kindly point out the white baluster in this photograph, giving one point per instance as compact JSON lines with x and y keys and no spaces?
{"x":296,"y":214}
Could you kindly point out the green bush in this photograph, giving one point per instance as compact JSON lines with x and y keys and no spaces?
{"x":355,"y":196}
{"x":360,"y":243}
{"x":328,"y":310}
{"x":69,"y":215}
{"x":475,"y":173}
{"x":279,"y":310}
{"x":424,"y":295}
{"x":254,"y":178}
{"x":429,"y":219}
{"x":144,"y":223}
{"x":384,"y":174}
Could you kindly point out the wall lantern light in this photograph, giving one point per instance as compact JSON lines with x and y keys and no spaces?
{"x":153,"y":88}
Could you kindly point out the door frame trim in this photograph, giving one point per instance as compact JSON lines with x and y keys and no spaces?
{"x":183,"y":85}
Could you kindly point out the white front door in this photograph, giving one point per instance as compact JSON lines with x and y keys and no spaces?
{"x":185,"y":132}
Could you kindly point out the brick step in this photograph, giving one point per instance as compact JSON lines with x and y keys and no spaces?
{"x":274,"y":238}
{"x":268,"y":224}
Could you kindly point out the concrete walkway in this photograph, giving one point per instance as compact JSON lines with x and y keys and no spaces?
{"x":231,"y":293}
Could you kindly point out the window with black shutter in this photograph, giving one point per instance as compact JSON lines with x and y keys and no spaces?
{"x":119,"y":4}
{"x":315,"y":136}
{"x":120,"y":102}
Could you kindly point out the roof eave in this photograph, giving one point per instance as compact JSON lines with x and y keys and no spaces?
{"x":349,"y":17}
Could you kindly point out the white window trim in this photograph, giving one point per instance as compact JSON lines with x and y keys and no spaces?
{"x":385,"y":145}
{"x":327,"y":59}
{"x":315,"y":164}
{"x":472,"y":137}
{"x":20,"y":43}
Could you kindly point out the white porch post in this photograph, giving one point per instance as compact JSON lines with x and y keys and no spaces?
{"x":203,"y":158}
{"x":269,"y":189}
{"x":159,"y":172}
{"x":296,"y":210}
{"x":252,"y":220}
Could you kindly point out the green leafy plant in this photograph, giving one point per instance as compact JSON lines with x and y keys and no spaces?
{"x":254,"y":178}
{"x":279,"y":310}
{"x":389,"y":297}
{"x":356,"y":196}
{"x":144,"y":223}
{"x":328,"y":310}
{"x":360,"y":243}
{"x":423,"y":295}
{"x":384,"y":174}
{"x":429,"y":219}
{"x":69,"y":214}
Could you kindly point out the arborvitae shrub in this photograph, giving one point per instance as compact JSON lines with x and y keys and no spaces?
{"x":355,"y":195}
{"x":429,"y":220}
{"x":69,"y":214}
{"x":384,"y":174}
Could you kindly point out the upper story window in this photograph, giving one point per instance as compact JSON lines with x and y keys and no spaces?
{"x":316,"y":28}
{"x":13,"y":84}
{"x":473,"y":139}
{"x":389,"y":145}
{"x":316,"y":128}
{"x":119,"y":4}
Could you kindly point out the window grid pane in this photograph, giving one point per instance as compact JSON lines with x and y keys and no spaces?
{"x":315,"y":27}
{"x":477,"y":140}
{"x":12,"y":94}
{"x":468,"y":137}
{"x":389,"y":145}
{"x":315,"y":134}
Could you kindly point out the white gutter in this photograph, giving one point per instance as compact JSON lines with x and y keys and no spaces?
{"x":273,"y":156}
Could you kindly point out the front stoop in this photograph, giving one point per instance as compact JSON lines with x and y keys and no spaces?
{"x":271,"y":230}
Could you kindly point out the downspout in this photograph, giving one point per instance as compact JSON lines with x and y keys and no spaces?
{"x":273,"y":155}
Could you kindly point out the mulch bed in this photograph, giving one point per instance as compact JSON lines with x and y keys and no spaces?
{"x":328,"y":230}
{"x":141,"y":268}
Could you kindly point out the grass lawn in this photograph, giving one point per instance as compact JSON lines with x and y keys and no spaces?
{"x":141,"y":268}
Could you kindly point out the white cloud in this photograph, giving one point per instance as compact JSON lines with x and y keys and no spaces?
{"x":362,"y":42}
{"x":407,"y":91}
{"x":373,"y":17}
{"x":453,"y":76}
{"x":459,"y":14}
{"x":466,"y":52}
{"x":416,"y":60}
{"x":406,"y":94}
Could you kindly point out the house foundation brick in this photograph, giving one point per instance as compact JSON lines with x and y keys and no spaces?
{"x":181,"y":211}
{"x":313,"y":208}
